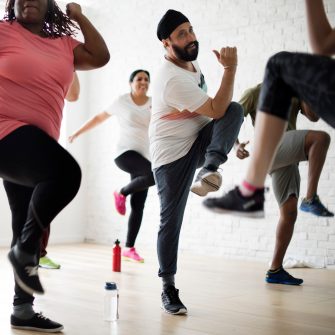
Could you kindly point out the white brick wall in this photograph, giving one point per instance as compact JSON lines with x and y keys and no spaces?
{"x":258,"y":28}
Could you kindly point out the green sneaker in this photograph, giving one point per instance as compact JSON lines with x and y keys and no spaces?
{"x":47,"y":263}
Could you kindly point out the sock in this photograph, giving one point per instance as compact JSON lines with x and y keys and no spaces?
{"x":127,"y":248}
{"x":247,"y":189}
{"x":23,"y":257}
{"x":168,"y":281}
{"x":276,"y":270}
{"x":23,"y":311}
{"x":309,"y":200}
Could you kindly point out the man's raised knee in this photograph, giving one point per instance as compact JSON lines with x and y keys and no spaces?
{"x":235,"y":110}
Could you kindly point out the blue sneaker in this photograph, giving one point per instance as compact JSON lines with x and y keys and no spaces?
{"x":315,"y":207}
{"x":281,"y":276}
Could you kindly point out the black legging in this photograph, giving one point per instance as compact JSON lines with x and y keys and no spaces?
{"x":142,"y":178}
{"x":40,"y":179}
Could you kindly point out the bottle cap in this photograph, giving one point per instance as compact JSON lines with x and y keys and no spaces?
{"x":117,"y":242}
{"x":110,"y":286}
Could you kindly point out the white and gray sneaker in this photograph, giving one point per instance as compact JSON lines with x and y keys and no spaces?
{"x":206,"y":181}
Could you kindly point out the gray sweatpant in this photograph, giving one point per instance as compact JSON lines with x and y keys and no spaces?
{"x":173,"y":181}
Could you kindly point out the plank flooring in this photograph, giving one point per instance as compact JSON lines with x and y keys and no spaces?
{"x":222,"y":296}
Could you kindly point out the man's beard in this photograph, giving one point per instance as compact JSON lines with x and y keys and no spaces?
{"x":186,"y":54}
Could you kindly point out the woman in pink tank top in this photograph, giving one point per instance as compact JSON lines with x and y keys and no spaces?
{"x":38,"y":56}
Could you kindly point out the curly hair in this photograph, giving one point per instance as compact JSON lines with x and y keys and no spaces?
{"x":56,"y":23}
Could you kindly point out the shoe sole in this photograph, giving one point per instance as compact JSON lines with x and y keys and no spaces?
{"x":23,"y":286}
{"x":121,"y":213}
{"x":282,"y":282}
{"x":56,"y":330}
{"x":251,"y":215}
{"x":317,"y":215}
{"x":127,"y":259}
{"x":210,"y":182}
{"x":182,"y":311}
{"x":48,"y":267}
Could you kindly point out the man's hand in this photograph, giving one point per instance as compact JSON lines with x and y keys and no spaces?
{"x":227,"y":57}
{"x":241,"y":152}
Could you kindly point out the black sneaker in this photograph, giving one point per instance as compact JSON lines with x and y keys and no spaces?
{"x":206,"y":181}
{"x":282,"y":277}
{"x":234,"y":203}
{"x":38,"y":323}
{"x":171,"y":302}
{"x":26,"y":275}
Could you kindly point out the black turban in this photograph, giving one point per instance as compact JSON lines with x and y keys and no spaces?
{"x":169,"y":22}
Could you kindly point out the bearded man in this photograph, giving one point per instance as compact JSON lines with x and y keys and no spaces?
{"x":188,"y":130}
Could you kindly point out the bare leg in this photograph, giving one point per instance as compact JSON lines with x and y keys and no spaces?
{"x":269,"y":130}
{"x":285,"y":228}
{"x":316,"y":148}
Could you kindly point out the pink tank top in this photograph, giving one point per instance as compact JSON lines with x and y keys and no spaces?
{"x":35,"y":75}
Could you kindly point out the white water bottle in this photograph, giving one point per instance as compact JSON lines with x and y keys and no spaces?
{"x":111,"y":312}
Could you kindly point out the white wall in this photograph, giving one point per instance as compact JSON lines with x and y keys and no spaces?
{"x":258,"y":28}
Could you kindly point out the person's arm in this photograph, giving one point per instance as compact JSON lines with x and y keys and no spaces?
{"x":90,"y":124}
{"x":93,"y":53}
{"x":321,"y":34}
{"x":217,"y":107}
{"x":74,"y":90}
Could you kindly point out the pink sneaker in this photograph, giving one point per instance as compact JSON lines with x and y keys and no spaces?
{"x":130,"y":254}
{"x":120,"y":203}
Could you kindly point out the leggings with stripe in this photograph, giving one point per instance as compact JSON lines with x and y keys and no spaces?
{"x":40,"y":178}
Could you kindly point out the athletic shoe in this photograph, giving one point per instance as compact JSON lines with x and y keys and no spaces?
{"x":26,"y":275}
{"x":235,"y":203}
{"x":206,"y":181}
{"x":120,"y":203}
{"x":282,"y":277}
{"x":171,"y":303}
{"x":38,"y":323}
{"x":47,"y":263}
{"x":315,"y":207}
{"x":131,"y":255}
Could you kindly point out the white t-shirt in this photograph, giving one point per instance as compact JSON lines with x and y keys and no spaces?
{"x":134,"y":122}
{"x":174,"y":126}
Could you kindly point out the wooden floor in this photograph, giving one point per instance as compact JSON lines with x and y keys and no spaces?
{"x":222,"y":296}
